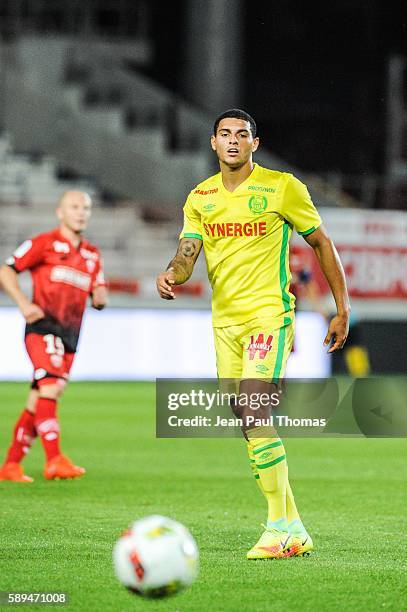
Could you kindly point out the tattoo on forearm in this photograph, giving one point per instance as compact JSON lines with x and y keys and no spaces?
{"x":182,"y":268}
{"x":184,"y":260}
{"x":187,"y":248}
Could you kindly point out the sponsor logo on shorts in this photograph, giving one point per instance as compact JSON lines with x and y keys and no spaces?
{"x":69,"y":276}
{"x":258,"y":204}
{"x":260,"y":345}
{"x":206,"y":192}
{"x":262,"y":369}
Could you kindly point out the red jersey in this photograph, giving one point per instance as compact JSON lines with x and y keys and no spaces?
{"x":63,"y":278}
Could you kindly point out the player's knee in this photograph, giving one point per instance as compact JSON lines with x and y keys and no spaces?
{"x":52,"y":388}
{"x":52,"y":391}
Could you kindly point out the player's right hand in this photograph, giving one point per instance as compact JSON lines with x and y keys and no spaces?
{"x":165,"y":282}
{"x":32,"y":313}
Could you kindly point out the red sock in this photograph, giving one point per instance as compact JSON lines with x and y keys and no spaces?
{"x":23,"y":436}
{"x":47,"y":426}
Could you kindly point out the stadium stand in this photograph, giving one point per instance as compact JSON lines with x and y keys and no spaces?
{"x":88,"y":110}
{"x":29,"y":190}
{"x":96,"y":114}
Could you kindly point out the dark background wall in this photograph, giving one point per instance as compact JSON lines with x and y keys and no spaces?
{"x":312,"y":74}
{"x":386,"y":342}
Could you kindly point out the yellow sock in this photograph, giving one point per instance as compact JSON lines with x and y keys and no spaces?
{"x":253,"y":467}
{"x":295,"y":524}
{"x":291,"y":508}
{"x":271,"y":465}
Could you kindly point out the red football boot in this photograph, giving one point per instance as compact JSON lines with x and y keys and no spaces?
{"x":62,"y":467}
{"x":14,"y":472}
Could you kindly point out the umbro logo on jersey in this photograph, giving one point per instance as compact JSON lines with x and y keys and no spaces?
{"x":209,"y":207}
{"x":61,"y":247}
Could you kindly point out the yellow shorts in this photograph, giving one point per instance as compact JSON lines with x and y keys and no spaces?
{"x":256,"y":349}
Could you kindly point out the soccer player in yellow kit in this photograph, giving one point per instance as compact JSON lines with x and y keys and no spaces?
{"x":244,"y":216}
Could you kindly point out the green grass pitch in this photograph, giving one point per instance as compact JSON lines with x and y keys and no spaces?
{"x":58,"y":536}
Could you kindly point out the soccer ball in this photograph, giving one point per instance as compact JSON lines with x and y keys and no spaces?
{"x":156,"y":557}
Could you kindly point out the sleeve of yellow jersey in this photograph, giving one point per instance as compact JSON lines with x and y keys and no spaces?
{"x":192,"y":221}
{"x":298,"y":208}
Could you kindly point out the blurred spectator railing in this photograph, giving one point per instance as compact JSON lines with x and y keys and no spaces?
{"x":97,"y":116}
{"x":108,"y":18}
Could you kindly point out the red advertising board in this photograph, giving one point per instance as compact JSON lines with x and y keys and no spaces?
{"x":372,"y":247}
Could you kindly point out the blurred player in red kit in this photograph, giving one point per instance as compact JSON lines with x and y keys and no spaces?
{"x":65,"y":271}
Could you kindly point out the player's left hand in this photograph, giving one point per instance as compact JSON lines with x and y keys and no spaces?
{"x":99,"y":298}
{"x":338,"y":332}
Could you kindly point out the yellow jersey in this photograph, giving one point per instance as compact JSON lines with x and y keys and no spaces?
{"x":245,"y":235}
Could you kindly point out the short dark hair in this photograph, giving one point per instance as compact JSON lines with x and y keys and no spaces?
{"x":236,"y":113}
